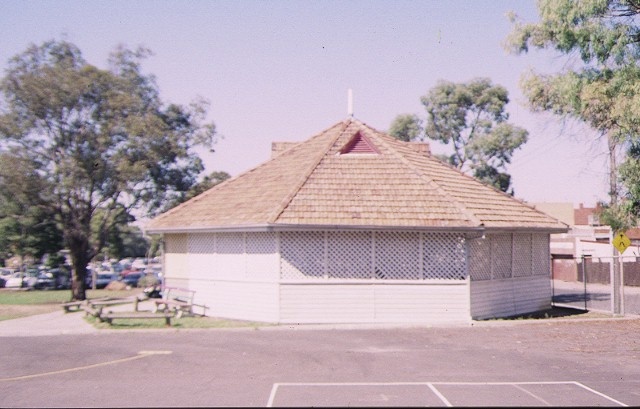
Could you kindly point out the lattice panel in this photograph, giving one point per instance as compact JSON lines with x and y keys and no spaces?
{"x":202,"y":243}
{"x":501,"y":251}
{"x":397,"y":256}
{"x":261,"y":243}
{"x":262,"y":258}
{"x":349,"y":255}
{"x":480,"y":258}
{"x":230,"y":243}
{"x":302,"y":255}
{"x":522,"y":262}
{"x":444,"y":256}
{"x":541,"y":258}
{"x":176,"y":243}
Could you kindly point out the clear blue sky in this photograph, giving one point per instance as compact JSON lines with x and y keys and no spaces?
{"x":280,"y":70}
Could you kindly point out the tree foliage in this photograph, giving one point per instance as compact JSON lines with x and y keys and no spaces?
{"x":27,"y":228}
{"x":101,"y":141}
{"x":209,"y":181}
{"x":470,"y":118}
{"x":407,"y":127}
{"x":601,"y":87}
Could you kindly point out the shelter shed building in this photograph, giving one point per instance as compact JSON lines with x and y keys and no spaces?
{"x":355,"y":226}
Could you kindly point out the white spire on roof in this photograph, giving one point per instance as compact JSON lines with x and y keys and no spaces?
{"x":350,"y":103}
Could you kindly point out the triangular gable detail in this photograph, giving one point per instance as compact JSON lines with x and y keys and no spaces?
{"x":358,"y":144}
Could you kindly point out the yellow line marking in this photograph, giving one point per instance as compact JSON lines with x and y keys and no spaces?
{"x":141,"y":354}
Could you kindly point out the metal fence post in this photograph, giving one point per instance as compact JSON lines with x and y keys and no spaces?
{"x":615,"y":283}
{"x":584,"y":281}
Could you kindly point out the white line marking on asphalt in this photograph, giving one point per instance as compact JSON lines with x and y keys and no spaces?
{"x":141,"y":354}
{"x":439,"y":395}
{"x":431,"y":386}
{"x":532,"y":395}
{"x":600,"y":394}
{"x":272,"y":395}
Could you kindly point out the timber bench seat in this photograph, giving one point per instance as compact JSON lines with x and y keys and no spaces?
{"x":72,"y":306}
{"x":179,"y":300}
{"x":110,"y":316}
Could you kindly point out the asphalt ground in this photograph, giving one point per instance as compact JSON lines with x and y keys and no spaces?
{"x":569,"y":362}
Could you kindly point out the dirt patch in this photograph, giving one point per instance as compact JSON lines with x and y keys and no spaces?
{"x":8,"y":312}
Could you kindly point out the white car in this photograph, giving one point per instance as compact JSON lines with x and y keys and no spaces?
{"x":6,"y":273}
{"x":20,"y":280}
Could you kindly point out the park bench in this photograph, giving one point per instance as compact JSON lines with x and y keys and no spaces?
{"x":179,"y":300}
{"x":72,"y":306}
{"x":110,"y":316}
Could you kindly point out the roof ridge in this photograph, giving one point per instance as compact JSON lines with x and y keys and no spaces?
{"x":455,"y":202}
{"x":307,"y":172}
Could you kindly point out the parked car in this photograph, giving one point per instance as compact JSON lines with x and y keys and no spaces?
{"x":14,"y":281}
{"x":103,"y":279}
{"x":53,"y":279}
{"x":62,"y":277}
{"x":6,"y":273}
{"x":21,"y":280}
{"x":45,"y":281}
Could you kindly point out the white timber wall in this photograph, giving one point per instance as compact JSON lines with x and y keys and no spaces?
{"x":374,"y":303}
{"x":176,"y":269}
{"x":234,"y":274}
{"x":373,"y":277}
{"x":361,"y":276}
{"x":510,"y":275}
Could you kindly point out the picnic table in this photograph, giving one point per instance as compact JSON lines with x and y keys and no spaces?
{"x":95,"y":307}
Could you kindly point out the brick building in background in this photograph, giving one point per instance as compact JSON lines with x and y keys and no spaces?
{"x":587,"y":237}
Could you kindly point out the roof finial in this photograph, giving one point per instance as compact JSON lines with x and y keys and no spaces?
{"x":350,"y":103}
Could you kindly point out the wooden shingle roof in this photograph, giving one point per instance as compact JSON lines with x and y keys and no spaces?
{"x":352,"y":176}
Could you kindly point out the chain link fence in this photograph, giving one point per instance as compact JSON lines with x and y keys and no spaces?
{"x":604,"y":284}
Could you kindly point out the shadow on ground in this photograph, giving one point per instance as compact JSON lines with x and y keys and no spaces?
{"x":553,"y":312}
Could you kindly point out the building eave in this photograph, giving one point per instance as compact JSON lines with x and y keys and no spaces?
{"x":310,"y":227}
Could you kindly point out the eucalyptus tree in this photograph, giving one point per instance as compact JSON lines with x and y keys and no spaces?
{"x":600,"y":82}
{"x":471,"y":119}
{"x":27,"y":229}
{"x":102,"y":141}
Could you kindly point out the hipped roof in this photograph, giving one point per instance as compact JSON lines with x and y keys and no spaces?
{"x":324,"y":183}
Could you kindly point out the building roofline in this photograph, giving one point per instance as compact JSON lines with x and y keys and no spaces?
{"x":308,"y":227}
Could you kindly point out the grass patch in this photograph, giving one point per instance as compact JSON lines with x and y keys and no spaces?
{"x":23,"y":303}
{"x":181,"y":323}
{"x":36,"y":297}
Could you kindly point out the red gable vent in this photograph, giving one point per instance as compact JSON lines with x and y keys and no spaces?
{"x":358,"y":144}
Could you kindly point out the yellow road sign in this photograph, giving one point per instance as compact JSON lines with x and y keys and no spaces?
{"x":621,"y":242}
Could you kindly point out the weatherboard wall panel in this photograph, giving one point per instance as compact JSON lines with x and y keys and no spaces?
{"x":325,"y":303}
{"x":372,"y":303}
{"x":492,"y":298}
{"x":238,"y":299}
{"x":501,"y":298}
{"x":421,"y":303}
{"x":176,"y":257}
